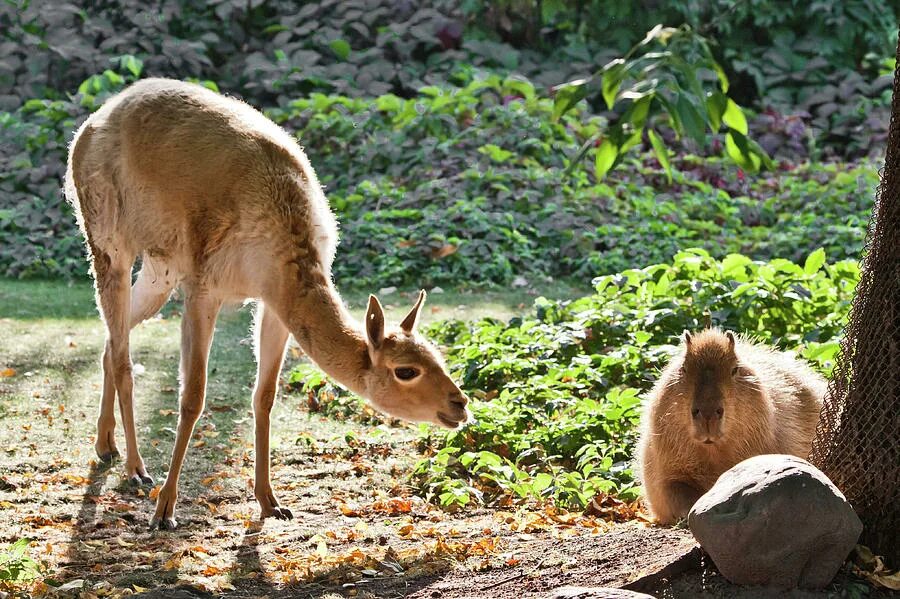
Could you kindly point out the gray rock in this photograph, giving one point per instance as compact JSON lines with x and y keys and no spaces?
{"x":775,"y":520}
{"x":596,"y":593}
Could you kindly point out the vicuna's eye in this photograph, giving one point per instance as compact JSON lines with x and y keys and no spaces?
{"x":681,"y":370}
{"x":734,"y":371}
{"x":406,"y":374}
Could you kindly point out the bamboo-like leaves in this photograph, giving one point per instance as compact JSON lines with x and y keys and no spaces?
{"x":682,"y":82}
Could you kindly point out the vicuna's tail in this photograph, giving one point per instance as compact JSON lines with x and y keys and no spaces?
{"x":77,"y":153}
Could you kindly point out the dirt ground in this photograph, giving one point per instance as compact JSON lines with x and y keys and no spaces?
{"x":355,"y":534}
{"x":358,"y":531}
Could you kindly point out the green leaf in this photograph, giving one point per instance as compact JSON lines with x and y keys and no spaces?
{"x":716,"y":103}
{"x":734,"y":264}
{"x":637,"y":114}
{"x":662,"y":154}
{"x":720,"y":73}
{"x":132,"y":65}
{"x":611,"y":81}
{"x":814,"y":261}
{"x":496,"y":153}
{"x":690,"y":117}
{"x":341,"y":48}
{"x":606,"y":157}
{"x":567,"y":95}
{"x":739,"y":151}
{"x":734,"y":117}
{"x":541,"y":482}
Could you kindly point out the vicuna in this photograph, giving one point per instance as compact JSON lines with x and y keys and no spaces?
{"x":721,"y":401}
{"x":217,"y":199}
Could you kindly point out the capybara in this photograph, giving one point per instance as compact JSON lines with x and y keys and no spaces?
{"x":720,"y":401}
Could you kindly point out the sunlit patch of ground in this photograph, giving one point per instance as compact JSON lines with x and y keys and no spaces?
{"x":358,"y":529}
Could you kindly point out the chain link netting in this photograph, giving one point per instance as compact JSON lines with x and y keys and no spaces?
{"x":858,"y":438}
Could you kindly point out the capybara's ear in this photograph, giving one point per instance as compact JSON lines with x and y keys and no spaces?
{"x":687,"y":337}
{"x":730,"y":337}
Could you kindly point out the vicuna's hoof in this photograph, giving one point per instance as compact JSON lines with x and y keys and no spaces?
{"x":281,"y":513}
{"x":140,"y":479}
{"x":168,"y":523}
{"x":109,"y":457}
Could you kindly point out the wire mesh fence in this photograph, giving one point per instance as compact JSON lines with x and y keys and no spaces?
{"x":858,"y":438}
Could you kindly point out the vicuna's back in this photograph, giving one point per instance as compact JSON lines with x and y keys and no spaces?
{"x":194,"y":172}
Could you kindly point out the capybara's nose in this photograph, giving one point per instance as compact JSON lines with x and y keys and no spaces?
{"x":708,"y":414}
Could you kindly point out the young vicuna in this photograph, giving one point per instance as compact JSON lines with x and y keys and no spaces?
{"x":721,"y":401}
{"x":222,"y":202}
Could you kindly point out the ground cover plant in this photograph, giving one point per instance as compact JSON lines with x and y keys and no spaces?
{"x":561,"y":388}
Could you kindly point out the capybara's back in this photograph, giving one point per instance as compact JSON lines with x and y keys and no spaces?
{"x":719,"y":402}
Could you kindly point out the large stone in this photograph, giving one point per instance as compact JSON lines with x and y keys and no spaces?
{"x":775,"y":520}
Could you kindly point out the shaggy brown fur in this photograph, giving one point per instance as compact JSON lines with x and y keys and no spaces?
{"x":717,"y":403}
{"x":220,"y":201}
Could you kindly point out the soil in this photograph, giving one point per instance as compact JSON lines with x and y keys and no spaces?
{"x":358,"y":531}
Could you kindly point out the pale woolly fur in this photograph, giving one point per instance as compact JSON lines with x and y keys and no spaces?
{"x":220,"y":201}
{"x":771,"y":405}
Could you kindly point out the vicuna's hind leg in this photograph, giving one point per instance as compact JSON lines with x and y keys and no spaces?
{"x":148,"y":295}
{"x":112,"y":271}
{"x":197,"y":327}
{"x":271,"y":341}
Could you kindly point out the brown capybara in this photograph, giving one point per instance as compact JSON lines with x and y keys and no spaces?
{"x":719,"y":402}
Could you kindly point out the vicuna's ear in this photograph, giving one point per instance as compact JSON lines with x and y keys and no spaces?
{"x":730,"y":336}
{"x":412,"y":319}
{"x":687,"y":337}
{"x":374,"y":322}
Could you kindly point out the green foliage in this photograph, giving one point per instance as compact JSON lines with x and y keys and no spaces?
{"x":269,"y":52}
{"x":671,"y":71}
{"x":37,"y":227}
{"x":16,"y":566}
{"x":465,"y":185}
{"x":561,"y":389}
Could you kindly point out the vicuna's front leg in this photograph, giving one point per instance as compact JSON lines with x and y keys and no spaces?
{"x":197,"y":327}
{"x":271,"y":340}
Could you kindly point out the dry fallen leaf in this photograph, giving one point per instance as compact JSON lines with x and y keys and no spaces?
{"x":7,"y":372}
{"x":443,"y":251}
{"x":871,"y":567}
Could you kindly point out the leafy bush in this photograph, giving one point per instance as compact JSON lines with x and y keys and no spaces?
{"x":269,"y":52}
{"x":465,"y":185}
{"x":558,"y":393}
{"x":560,"y":390}
{"x":778,"y":52}
{"x":670,"y":71}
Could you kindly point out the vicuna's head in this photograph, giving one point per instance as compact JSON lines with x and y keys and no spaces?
{"x":714,"y":395}
{"x":407,"y":377}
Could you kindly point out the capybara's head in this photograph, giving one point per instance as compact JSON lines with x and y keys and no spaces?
{"x":717,"y":395}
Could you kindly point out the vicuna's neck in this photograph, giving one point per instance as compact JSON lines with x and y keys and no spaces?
{"x":329,"y":335}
